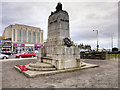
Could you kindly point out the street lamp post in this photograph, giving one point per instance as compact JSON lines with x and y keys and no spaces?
{"x":112,"y":41}
{"x":97,"y":39}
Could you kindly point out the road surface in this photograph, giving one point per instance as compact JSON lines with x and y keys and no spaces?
{"x":105,"y":76}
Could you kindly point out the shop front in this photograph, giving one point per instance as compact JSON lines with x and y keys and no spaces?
{"x":29,"y":47}
{"x":37,"y":46}
{"x":6,"y":44}
{"x":18,"y":47}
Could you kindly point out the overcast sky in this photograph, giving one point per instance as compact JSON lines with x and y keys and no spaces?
{"x":84,"y":18}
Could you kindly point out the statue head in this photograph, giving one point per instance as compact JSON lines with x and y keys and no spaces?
{"x":59,"y":7}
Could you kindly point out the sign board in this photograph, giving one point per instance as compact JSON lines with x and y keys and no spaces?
{"x":7,"y":46}
{"x":6,"y":41}
{"x":38,"y":45}
{"x":19,"y":44}
{"x":32,"y":45}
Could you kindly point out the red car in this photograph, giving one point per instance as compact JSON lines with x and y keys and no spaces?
{"x":26,"y":54}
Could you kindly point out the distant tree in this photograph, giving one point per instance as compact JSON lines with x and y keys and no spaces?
{"x":81,"y":46}
{"x":72,"y":43}
{"x":114,"y":49}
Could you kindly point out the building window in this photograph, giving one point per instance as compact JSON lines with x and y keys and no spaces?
{"x":29,"y":36}
{"x":13,"y":34}
{"x":33,"y":36}
{"x":38,"y":37}
{"x":24,"y":36}
{"x":18,"y":35}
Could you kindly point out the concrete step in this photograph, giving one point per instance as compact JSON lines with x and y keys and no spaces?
{"x":40,"y":69}
{"x":47,"y":57}
{"x":40,"y":65}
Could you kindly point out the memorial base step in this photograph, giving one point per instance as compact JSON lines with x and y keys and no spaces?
{"x":40,"y":67}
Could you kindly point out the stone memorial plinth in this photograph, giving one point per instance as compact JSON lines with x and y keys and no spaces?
{"x":55,"y":51}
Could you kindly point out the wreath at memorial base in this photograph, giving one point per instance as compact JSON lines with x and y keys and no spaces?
{"x":67,"y":42}
{"x":22,"y":67}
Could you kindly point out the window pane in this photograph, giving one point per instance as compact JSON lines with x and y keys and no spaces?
{"x":26,"y":53}
{"x":24,"y":35}
{"x":38,"y":37}
{"x":33,"y":36}
{"x":29,"y":36}
{"x":13,"y":34}
{"x":18,"y":35}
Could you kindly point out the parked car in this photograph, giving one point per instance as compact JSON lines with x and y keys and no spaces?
{"x":25,"y":54}
{"x":3,"y":56}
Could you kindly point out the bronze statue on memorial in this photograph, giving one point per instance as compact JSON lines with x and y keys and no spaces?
{"x":59,"y":7}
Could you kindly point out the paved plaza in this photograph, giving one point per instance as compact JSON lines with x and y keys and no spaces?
{"x":105,"y":76}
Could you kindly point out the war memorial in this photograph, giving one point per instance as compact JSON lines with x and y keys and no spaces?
{"x":58,"y":54}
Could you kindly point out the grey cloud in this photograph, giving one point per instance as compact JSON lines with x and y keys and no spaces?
{"x":84,"y":17}
{"x":106,"y":24}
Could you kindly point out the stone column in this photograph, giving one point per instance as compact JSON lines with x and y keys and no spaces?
{"x":26,"y":35}
{"x":35,"y":37}
{"x":21,"y":35}
{"x":41,"y":37}
{"x":12,"y":36}
{"x":15,"y":35}
{"x":31,"y":36}
{"x":40,"y":55}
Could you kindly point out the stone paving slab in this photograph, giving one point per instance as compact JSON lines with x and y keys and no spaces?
{"x":33,"y":74}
